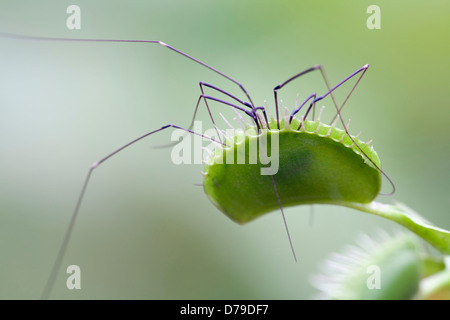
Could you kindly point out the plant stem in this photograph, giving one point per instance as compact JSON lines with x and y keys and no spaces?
{"x":439,"y":238}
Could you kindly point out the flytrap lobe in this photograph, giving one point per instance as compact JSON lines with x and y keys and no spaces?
{"x":316,"y":163}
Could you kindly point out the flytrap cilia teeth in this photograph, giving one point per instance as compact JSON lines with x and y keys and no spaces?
{"x":382,"y":267}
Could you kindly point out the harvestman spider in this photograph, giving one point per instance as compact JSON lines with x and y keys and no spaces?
{"x":247,"y":107}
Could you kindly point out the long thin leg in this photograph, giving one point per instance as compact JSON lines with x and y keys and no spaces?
{"x":361,"y":70}
{"x":62,"y":250}
{"x":251,"y":114}
{"x":264,"y":114}
{"x":280,"y":206}
{"x":313,"y":96}
{"x":224,"y":92}
{"x":205,"y":98}
{"x":316,"y":67}
{"x":284,"y":217}
{"x":202,"y":84}
{"x":251,"y":105}
{"x":26,"y":37}
{"x":19,"y":36}
{"x":246,"y":104}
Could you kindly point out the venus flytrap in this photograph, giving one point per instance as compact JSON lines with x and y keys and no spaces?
{"x":384,"y":267}
{"x":376,"y":268}
{"x":317,"y":164}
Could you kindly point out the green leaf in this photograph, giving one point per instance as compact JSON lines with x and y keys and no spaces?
{"x":400,"y":213}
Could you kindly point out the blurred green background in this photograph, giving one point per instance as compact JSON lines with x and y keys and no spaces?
{"x":145,"y":230}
